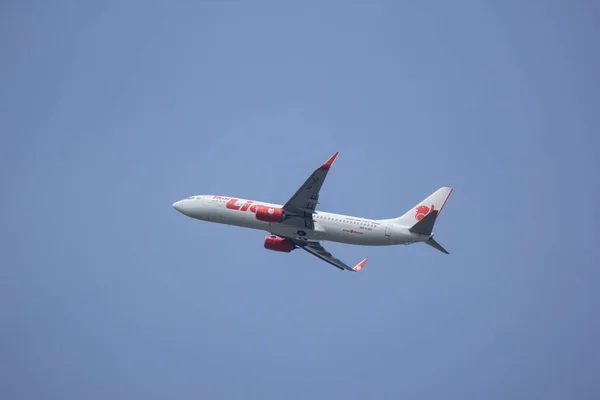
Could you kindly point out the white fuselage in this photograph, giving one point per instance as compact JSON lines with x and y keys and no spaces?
{"x":327,"y":226}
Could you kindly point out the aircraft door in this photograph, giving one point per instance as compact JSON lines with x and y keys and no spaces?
{"x":388,"y":230}
{"x":208,"y":205}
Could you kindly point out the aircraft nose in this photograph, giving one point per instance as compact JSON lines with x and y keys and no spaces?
{"x":178,"y":205}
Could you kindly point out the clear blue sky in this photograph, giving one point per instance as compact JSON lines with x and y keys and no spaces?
{"x":111,"y":111}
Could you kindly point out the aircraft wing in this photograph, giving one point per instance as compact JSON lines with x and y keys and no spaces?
{"x":317,"y":250}
{"x":303,"y":203}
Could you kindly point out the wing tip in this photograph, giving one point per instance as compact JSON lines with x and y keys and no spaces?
{"x":329,"y":162}
{"x":360,"y":265}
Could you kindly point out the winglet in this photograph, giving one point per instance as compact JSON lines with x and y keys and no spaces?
{"x":329,"y":162}
{"x":360,"y":265}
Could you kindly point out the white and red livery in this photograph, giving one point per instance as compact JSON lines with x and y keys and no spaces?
{"x":297,"y":223}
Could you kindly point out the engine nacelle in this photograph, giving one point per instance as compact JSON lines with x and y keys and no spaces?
{"x":269,"y":214}
{"x":277,"y":243}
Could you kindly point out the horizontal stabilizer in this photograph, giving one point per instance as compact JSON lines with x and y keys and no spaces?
{"x":436,"y":245}
{"x":425,"y":225}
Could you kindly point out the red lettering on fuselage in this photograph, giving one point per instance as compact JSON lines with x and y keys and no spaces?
{"x":246,"y":205}
{"x":232,"y":204}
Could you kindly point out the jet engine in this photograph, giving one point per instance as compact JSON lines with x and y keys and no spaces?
{"x":269,"y":214}
{"x":277,"y":243}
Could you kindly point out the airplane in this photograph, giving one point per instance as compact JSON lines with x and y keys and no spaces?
{"x":297,"y":223}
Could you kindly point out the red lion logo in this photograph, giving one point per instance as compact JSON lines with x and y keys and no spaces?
{"x":422,"y":211}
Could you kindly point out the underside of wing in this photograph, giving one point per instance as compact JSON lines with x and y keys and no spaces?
{"x":304,"y":202}
{"x":319,"y":251}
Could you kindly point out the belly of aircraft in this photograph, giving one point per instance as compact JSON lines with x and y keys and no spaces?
{"x":296,"y":232}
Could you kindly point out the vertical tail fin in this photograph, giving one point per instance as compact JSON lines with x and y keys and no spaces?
{"x":435,"y":201}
